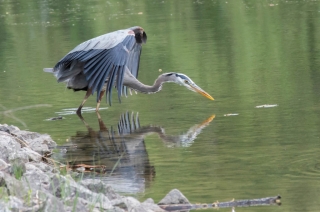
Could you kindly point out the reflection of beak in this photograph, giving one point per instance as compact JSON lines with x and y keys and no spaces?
{"x":208,"y":120}
{"x":197,"y":89}
{"x":197,"y":128}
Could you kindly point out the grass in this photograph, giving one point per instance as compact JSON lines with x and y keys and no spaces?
{"x":4,"y":194}
{"x":17,"y":171}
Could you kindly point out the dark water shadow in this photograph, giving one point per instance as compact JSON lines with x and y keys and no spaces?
{"x":118,"y":155}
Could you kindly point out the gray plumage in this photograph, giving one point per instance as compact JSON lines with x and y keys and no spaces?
{"x":92,"y":62}
{"x":99,"y":64}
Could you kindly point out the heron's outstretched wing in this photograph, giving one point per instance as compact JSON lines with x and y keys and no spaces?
{"x":102,"y":58}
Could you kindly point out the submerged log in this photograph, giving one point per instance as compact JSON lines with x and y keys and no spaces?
{"x":276,"y":200}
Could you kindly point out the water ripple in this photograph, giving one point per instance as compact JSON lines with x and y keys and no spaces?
{"x":71,"y":111}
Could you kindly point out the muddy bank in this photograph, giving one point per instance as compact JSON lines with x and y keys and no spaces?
{"x":29,"y":181}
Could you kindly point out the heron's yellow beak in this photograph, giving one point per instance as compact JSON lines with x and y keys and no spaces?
{"x":202,"y":92}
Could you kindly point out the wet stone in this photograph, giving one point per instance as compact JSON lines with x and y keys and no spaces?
{"x":174,"y":197}
{"x":29,"y":184}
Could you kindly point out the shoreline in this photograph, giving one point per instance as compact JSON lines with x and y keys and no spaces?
{"x":29,"y":180}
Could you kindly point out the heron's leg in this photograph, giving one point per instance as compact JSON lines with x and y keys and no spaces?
{"x":100,"y":97}
{"x":84,"y":100}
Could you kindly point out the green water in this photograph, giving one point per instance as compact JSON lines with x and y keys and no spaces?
{"x":244,"y":53}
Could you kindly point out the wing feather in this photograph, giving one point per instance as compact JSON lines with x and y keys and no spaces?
{"x":103,"y":59}
{"x":119,"y":82}
{"x":133,"y":60}
{"x":101,"y":83}
{"x":91,"y":63}
{"x":109,"y":85}
{"x":99,"y":66}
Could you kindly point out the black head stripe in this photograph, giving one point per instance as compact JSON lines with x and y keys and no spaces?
{"x":169,"y":74}
{"x":182,"y":76}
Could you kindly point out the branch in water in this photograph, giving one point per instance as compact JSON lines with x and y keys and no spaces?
{"x":276,"y":200}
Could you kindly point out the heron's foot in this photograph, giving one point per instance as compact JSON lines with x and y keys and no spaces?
{"x":79,"y":111}
{"x":80,"y":115}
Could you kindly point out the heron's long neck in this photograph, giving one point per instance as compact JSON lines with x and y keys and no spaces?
{"x":131,"y":82}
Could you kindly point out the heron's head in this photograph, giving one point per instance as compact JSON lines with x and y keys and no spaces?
{"x":182,"y":79}
{"x":140,"y":34}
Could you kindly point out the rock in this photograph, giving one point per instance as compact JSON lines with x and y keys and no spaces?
{"x":34,"y":145}
{"x":4,"y":207}
{"x":114,"y":209}
{"x":152,"y":207}
{"x":29,"y":184}
{"x":43,"y":166}
{"x":32,"y":155}
{"x":65,"y":186}
{"x":8,"y":146}
{"x":37,"y":142}
{"x":36,"y":178}
{"x":18,"y":168}
{"x":85,"y":205}
{"x":111,"y":194}
{"x":78,"y":204}
{"x":8,"y":129}
{"x":2,"y":179}
{"x":18,"y":157}
{"x":15,"y":203}
{"x":4,"y":193}
{"x":3,"y":165}
{"x":4,"y":129}
{"x":135,"y":206}
{"x":14,"y":186}
{"x":98,"y":186}
{"x":53,"y":204}
{"x":149,"y":200}
{"x":174,"y":197}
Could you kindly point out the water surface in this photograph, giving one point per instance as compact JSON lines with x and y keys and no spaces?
{"x":244,"y":53}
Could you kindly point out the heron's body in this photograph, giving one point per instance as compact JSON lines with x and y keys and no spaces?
{"x":112,"y":59}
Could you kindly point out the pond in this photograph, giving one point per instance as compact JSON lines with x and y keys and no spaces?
{"x":259,"y":59}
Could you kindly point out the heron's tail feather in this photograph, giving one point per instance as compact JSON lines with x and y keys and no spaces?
{"x":48,"y":70}
{"x":66,"y":72}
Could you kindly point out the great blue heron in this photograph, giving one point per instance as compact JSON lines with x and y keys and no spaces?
{"x":111,"y":60}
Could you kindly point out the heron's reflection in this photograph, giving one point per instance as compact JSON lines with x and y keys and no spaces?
{"x":122,"y":150}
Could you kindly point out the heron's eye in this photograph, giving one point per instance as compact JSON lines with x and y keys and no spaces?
{"x":186,"y":81}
